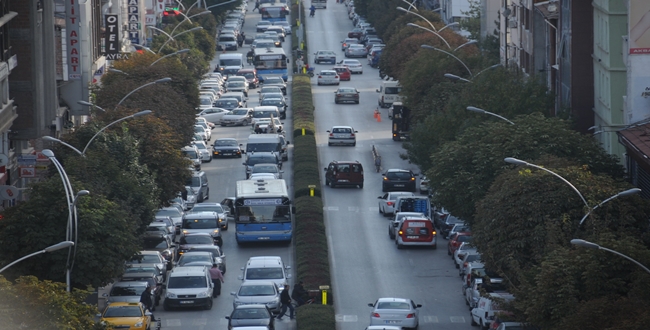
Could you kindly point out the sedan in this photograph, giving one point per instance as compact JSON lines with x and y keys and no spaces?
{"x":241,"y":117}
{"x":226,"y":147}
{"x":456,"y":241}
{"x":344,"y":72}
{"x":346,"y":94}
{"x":276,"y":81}
{"x":202,"y":132}
{"x":250,"y":315}
{"x":387,"y":201}
{"x":204,"y":153}
{"x":237,"y":86}
{"x":227,"y":103}
{"x":262,"y":292}
{"x":342,"y":135}
{"x":264,"y":125}
{"x":395,"y":311}
{"x":328,"y":77}
{"x":355,"y":33}
{"x":347,"y":42}
{"x":276,"y":102}
{"x":269,"y":89}
{"x":356,"y":50}
{"x":267,"y":168}
{"x":213,"y":115}
{"x":326,"y":56}
{"x":354,"y":65}
{"x":262,"y":25}
{"x":397,"y":179}
{"x":286,"y":25}
{"x":193,"y":258}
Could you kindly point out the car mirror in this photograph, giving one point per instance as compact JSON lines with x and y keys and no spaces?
{"x":418,"y":305}
{"x":240,"y":277}
{"x":395,"y":224}
{"x":233,"y":293}
{"x":281,"y":171}
{"x":328,"y":131}
{"x":147,"y":313}
{"x":356,"y":131}
{"x":243,"y":164}
{"x":98,"y":315}
{"x":371,"y":305}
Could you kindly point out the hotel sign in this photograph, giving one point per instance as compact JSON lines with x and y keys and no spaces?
{"x":134,"y":16}
{"x":112,"y":35}
{"x":73,"y":39}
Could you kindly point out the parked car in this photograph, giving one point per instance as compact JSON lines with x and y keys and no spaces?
{"x":456,"y":240}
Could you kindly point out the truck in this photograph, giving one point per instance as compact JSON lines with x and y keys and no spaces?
{"x":401,"y":118}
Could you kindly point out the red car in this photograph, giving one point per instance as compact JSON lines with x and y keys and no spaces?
{"x":456,"y":240}
{"x":356,"y":33}
{"x":344,"y":72}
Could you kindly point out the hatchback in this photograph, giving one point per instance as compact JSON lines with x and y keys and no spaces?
{"x":354,"y":65}
{"x":346,"y":94}
{"x":342,"y":135}
{"x":395,"y":311}
{"x":344,"y":72}
{"x":397,"y":179}
{"x":387,"y":201}
{"x":263,"y":292}
{"x":328,"y":77}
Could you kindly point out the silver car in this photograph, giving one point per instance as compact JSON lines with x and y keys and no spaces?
{"x":259,"y":292}
{"x":395,"y":311}
{"x":276,"y":81}
{"x":342,"y":135}
{"x":356,"y":50}
{"x":387,"y":201}
{"x":204,"y":153}
{"x":237,"y":86}
{"x":238,"y":117}
{"x":128,"y":291}
{"x":267,"y":168}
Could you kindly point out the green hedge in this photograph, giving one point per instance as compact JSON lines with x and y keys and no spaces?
{"x":312,"y":252}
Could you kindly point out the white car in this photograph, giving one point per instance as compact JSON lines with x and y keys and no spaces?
{"x":483,"y":314}
{"x":354,"y":65}
{"x":264,"y":124}
{"x":204,"y":152}
{"x":264,"y":176}
{"x":269,"y":89}
{"x":462,"y":250}
{"x":395,"y":311}
{"x":328,"y":77}
{"x":237,"y":86}
{"x":387,"y":201}
{"x":424,"y":182}
{"x":201,"y":131}
{"x":212,"y":115}
{"x":205,"y":102}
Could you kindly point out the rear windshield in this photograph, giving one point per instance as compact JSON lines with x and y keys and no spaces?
{"x":341,"y":130}
{"x":264,"y":114}
{"x":399,"y":175}
{"x":392,"y":90}
{"x":464,"y":238}
{"x":200,"y":223}
{"x":229,"y":62}
{"x":196,"y":240}
{"x":262,"y":160}
{"x":226,"y":39}
{"x":127,"y":291}
{"x":264,"y":273}
{"x":186,"y":282}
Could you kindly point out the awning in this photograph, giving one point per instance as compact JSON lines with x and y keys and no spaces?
{"x":637,"y":142}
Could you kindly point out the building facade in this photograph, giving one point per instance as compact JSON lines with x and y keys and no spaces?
{"x":8,"y":61}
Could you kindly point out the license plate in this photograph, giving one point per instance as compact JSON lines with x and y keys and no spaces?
{"x":227,"y":154}
{"x":264,"y":238}
{"x":187,"y":301}
{"x":399,"y":185}
{"x":412,"y":237}
{"x":392,"y":322}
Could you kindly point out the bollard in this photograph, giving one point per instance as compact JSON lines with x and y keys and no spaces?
{"x":323,"y":289}
{"x":303,"y":131}
{"x":311,"y":189}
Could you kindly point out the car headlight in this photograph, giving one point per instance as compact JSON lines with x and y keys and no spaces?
{"x":139,"y":324}
{"x":170,"y":295}
{"x":202,"y":294}
{"x":216,"y":232}
{"x":185,"y":232}
{"x":238,"y":303}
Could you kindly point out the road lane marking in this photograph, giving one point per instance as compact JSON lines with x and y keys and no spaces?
{"x":353,"y":209}
{"x":346,"y":318}
{"x":200,"y":322}
{"x":374,"y":209}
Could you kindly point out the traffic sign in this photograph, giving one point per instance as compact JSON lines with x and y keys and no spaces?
{"x":8,"y":192}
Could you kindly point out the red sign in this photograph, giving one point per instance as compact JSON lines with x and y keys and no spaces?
{"x":27,"y":172}
{"x":73,"y":39}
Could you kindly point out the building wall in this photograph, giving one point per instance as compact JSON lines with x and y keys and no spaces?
{"x":609,"y":72}
{"x":490,"y":11}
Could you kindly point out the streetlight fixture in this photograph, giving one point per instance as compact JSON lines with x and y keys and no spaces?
{"x":159,"y":81}
{"x":88,"y":104}
{"x":450,"y":54}
{"x":52,"y":248}
{"x":182,"y":51}
{"x":450,"y":24}
{"x":479,"y":110}
{"x":179,"y":34}
{"x":418,"y":15}
{"x":117,"y":71}
{"x":628,"y":192}
{"x":83,"y":153}
{"x":431,"y":31}
{"x":590,"y":245}
{"x":143,"y":47}
{"x":455,"y":77}
{"x":516,"y":161}
{"x":471,"y":42}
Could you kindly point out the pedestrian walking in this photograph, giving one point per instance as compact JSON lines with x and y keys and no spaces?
{"x":240,"y":40}
{"x":145,"y":299}
{"x":257,"y":5}
{"x":299,"y":294}
{"x":285,"y":299}
{"x":217,"y":279}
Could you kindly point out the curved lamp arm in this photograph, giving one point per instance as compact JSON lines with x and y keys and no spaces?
{"x":434,"y":32}
{"x":52,"y":139}
{"x":488,"y":68}
{"x":450,"y":54}
{"x":452,"y":24}
{"x":418,"y":15}
{"x":455,"y":77}
{"x":516,"y":161}
{"x":622,"y":193}
{"x":590,"y":245}
{"x":143,"y":86}
{"x":479,"y":110}
{"x":172,"y":54}
{"x":137,"y":114}
{"x":176,"y":35}
{"x":51,"y":248}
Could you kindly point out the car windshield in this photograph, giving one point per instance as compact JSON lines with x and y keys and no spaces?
{"x":341,"y":130}
{"x":207,"y":208}
{"x":231,"y":71}
{"x":141,"y":270}
{"x":393,"y":90}
{"x":399,"y":175}
{"x":260,"y":160}
{"x":265,"y":169}
{"x":123,"y":311}
{"x":248,"y":75}
{"x":464,"y":238}
{"x":227,"y":103}
{"x":200,"y":146}
{"x":186,"y":282}
{"x":264,"y":273}
{"x":121,"y":291}
{"x":197,"y":239}
{"x":273,"y":80}
{"x":326,"y":53}
{"x":146,"y":259}
{"x":199,"y":129}
{"x":250,"y":314}
{"x":256,"y":290}
{"x":225,"y":143}
{"x":235,"y":84}
{"x":328,"y":73}
{"x":228,"y":62}
{"x":393,"y":305}
{"x":264,"y":114}
{"x":194,"y":181}
{"x":473,"y":257}
{"x":347,"y":90}
{"x":205,"y":101}
{"x":274,"y":102}
{"x":239,"y":112}
{"x":168,"y":213}
{"x":199,"y":223}
{"x":186,"y":258}
{"x":155,"y":243}
{"x":190,"y":154}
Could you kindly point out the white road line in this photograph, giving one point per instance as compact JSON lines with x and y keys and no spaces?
{"x":346,"y":318}
{"x":200,"y":322}
{"x":330,"y":208}
{"x":374,"y":209}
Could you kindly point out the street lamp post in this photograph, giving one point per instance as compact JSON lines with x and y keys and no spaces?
{"x":471,"y":42}
{"x":418,"y":15}
{"x":83,"y":152}
{"x":431,"y":31}
{"x":143,"y":47}
{"x":628,"y":192}
{"x":52,"y":248}
{"x":590,"y":245}
{"x":188,"y":19}
{"x":450,"y":54}
{"x":163,"y":80}
{"x":182,"y":51}
{"x":88,"y":104}
{"x":455,"y":77}
{"x":178,"y":34}
{"x":479,"y":110}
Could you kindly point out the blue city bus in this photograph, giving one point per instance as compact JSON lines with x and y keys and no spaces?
{"x":270,"y":61}
{"x":263,"y":211}
{"x":274,"y":12}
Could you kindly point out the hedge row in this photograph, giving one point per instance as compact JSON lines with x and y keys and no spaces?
{"x":312,"y":252}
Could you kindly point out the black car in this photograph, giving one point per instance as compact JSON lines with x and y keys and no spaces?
{"x":190,"y":240}
{"x":226,"y":147}
{"x":398,"y":180}
{"x":251,"y":315}
{"x":445,"y":222}
{"x":162,"y":244}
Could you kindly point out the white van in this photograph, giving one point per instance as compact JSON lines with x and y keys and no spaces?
{"x":389,"y":93}
{"x":484,"y":313}
{"x":188,"y":287}
{"x":268,"y":143}
{"x":265,"y":111}
{"x":231,"y":59}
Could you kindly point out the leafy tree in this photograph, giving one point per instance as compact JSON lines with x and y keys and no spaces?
{"x":33,"y":304}
{"x":464,"y":169}
{"x":472,"y":23}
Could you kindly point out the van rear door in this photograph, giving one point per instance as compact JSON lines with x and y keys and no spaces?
{"x":416,"y":231}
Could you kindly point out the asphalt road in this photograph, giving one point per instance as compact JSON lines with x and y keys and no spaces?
{"x":366,"y":264}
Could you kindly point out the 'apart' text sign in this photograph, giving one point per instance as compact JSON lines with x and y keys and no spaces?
{"x":73,"y":39}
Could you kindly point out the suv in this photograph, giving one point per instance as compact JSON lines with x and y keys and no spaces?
{"x":396,"y":179}
{"x":344,"y":173}
{"x":203,"y":222}
{"x":199,"y":185}
{"x":415,"y":231}
{"x":266,"y":268}
{"x":189,"y":287}
{"x":227,"y":41}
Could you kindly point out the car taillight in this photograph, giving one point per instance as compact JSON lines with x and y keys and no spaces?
{"x":410,"y":316}
{"x":320,"y":77}
{"x":465,"y":264}
{"x":338,"y":95}
{"x":433,"y":232}
{"x":375,"y":315}
{"x":331,"y":134}
{"x":352,"y":135}
{"x":356,"y":95}
{"x":336,"y":76}
{"x":389,"y":203}
{"x":469,"y":276}
{"x":400,"y":232}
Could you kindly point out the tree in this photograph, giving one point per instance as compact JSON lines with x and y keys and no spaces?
{"x":464,"y":169}
{"x":33,"y":304}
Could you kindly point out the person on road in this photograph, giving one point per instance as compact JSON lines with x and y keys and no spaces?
{"x":312,"y":11}
{"x":145,"y":299}
{"x":257,"y":5}
{"x":217,"y":279}
{"x":249,"y":56}
{"x":299,"y":294}
{"x":286,"y":303}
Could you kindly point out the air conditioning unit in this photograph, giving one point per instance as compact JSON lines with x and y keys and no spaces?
{"x":512,"y":23}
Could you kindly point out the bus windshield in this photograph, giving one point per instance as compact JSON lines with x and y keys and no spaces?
{"x":274,"y":12}
{"x":263,"y":213}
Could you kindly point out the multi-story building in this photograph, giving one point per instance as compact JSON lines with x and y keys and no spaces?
{"x":8,"y":166}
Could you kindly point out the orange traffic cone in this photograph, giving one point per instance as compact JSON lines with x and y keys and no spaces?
{"x":378,"y":117}
{"x":376,"y":114}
